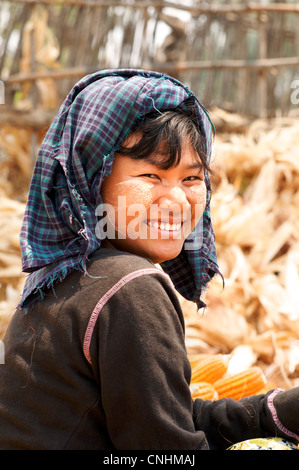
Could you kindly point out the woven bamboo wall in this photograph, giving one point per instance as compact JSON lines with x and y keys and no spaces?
{"x":234,"y":55}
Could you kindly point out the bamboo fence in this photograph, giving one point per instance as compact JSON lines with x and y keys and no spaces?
{"x":224,"y":52}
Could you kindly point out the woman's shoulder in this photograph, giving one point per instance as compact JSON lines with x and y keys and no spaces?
{"x":116,"y":269}
{"x":119,"y":262}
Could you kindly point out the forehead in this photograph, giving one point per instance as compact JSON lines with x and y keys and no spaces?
{"x":158,"y":156}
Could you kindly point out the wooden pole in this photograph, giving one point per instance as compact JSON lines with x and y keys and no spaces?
{"x":262,"y":76}
{"x":205,"y":9}
{"x":34,"y":92}
{"x":35,"y":120}
{"x":181,"y":66}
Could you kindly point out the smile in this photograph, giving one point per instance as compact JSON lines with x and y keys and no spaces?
{"x":165,"y":226}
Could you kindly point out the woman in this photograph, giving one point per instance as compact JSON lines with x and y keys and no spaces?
{"x":95,"y":354}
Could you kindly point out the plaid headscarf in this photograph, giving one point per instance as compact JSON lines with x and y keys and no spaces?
{"x":58,"y":231}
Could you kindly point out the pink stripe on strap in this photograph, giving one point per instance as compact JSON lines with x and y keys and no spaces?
{"x":276,"y":420}
{"x":96,"y":311}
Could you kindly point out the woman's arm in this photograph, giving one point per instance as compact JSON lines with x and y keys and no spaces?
{"x":227,"y":421}
{"x":138,"y":351}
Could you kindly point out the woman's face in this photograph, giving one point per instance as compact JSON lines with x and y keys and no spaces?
{"x":150,"y":211}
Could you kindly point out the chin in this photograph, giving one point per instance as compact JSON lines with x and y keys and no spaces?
{"x":157,"y":251}
{"x":164,"y":254}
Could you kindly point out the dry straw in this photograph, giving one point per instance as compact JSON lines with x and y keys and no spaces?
{"x":255,"y":211}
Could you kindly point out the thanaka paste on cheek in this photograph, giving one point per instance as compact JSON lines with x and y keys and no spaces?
{"x":136,"y":192}
{"x":199,"y":193}
{"x":134,"y":199}
{"x":199,"y":201}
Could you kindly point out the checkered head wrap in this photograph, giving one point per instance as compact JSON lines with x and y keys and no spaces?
{"x":58,"y":231}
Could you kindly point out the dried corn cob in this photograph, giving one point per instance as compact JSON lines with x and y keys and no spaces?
{"x":194,"y":359}
{"x":203,"y":390}
{"x":243,"y":384}
{"x":209,"y":369}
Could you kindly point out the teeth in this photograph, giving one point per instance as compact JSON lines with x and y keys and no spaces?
{"x":167,"y":226}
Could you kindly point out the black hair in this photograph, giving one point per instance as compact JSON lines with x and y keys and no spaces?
{"x":165,"y":133}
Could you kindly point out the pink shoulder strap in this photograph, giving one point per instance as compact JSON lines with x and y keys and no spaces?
{"x":115,"y":288}
{"x":276,"y":420}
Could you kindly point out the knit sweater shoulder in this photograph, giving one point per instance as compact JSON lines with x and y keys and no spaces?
{"x":101,"y":363}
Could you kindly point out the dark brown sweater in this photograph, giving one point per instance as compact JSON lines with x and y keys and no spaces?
{"x":101,"y":363}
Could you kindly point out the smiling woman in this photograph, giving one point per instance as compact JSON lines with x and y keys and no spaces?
{"x":166,"y":179}
{"x":95,"y":356}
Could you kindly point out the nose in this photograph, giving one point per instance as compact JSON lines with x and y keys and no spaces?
{"x":173,"y":198}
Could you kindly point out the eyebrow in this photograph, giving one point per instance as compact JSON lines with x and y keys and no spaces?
{"x":194,"y":166}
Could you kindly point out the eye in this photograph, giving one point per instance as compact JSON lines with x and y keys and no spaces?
{"x":193,"y":178}
{"x":150,"y":175}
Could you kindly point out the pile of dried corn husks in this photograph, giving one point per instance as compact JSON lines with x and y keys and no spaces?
{"x":255,"y":211}
{"x":11,"y":279}
{"x":18,"y":147}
